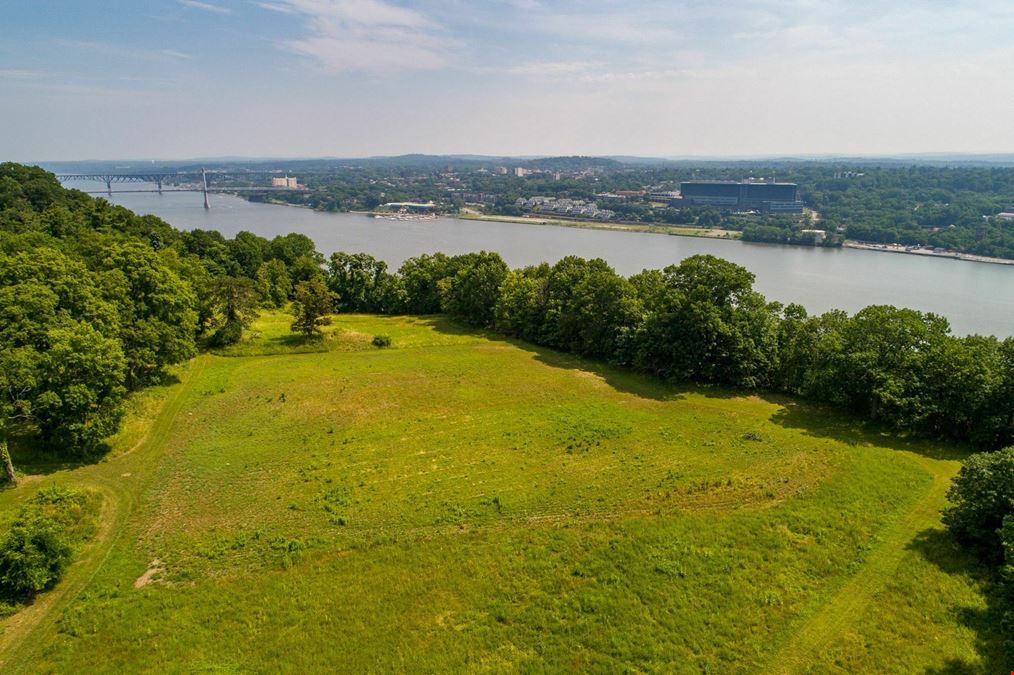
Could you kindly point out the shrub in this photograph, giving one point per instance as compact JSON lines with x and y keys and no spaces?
{"x":33,"y":556}
{"x":381,"y":341}
{"x":982,"y":495}
{"x":1007,"y":582}
{"x":39,"y":544}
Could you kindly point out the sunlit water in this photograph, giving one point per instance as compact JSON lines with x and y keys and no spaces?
{"x":975,"y":297}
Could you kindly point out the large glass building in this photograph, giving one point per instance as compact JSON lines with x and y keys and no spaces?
{"x":764,"y":197}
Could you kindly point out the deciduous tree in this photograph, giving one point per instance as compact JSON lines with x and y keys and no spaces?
{"x":312,"y":307}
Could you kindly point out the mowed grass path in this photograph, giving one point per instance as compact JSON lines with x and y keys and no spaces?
{"x":461,"y":502}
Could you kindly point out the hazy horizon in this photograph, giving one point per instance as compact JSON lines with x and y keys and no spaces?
{"x":179,"y":79}
{"x":930,"y":157}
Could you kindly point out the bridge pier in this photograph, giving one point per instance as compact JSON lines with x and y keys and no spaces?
{"x":204,"y":182}
{"x":159,"y":185}
{"x":109,"y":186}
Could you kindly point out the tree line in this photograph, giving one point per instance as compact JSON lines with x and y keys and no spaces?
{"x":702,"y":321}
{"x":96,"y":301}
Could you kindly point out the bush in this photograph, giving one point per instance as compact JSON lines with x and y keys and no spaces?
{"x":381,"y":341}
{"x":33,"y":556}
{"x":1007,"y":581}
{"x":982,"y":495}
{"x":39,"y":544}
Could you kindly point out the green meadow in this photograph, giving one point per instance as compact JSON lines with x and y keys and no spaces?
{"x":463,"y":502}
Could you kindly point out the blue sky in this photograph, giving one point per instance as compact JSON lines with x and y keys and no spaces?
{"x":187,"y":78}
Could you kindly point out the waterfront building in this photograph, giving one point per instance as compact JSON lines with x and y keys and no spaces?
{"x":742,"y":196}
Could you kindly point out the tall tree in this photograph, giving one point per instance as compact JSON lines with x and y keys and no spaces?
{"x":312,"y":307}
{"x":358,"y":280}
{"x":158,"y":320}
{"x":273,"y":282}
{"x":249,"y":251}
{"x":236,"y":301}
{"x":61,"y":363}
{"x":472,"y":293}
{"x":709,"y":326}
{"x":421,"y":276}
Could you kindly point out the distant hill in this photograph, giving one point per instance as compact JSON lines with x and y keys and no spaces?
{"x":573,"y":163}
{"x":561,"y":163}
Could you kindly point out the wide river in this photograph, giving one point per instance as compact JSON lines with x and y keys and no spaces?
{"x":975,"y":297}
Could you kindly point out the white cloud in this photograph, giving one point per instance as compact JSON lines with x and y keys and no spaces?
{"x":365,"y":36}
{"x":20,"y":74}
{"x":136,"y":53}
{"x":205,"y":6}
{"x":276,"y":7}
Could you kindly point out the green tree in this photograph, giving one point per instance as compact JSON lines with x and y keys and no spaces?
{"x":273,"y":282}
{"x":650,"y":287}
{"x":249,"y":251}
{"x":587,"y":307}
{"x":981,"y":497}
{"x":213,"y":249}
{"x":521,"y":305}
{"x":1007,"y":581}
{"x":61,"y":363}
{"x":472,"y":293}
{"x":709,"y":326}
{"x":421,"y":276}
{"x":300,"y":256}
{"x":158,"y":320}
{"x":605,"y":309}
{"x":236,"y":302}
{"x":33,"y":556}
{"x":312,"y":307}
{"x":358,"y":280}
{"x":884,"y":357}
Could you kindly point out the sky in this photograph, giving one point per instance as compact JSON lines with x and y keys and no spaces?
{"x":173,"y":79}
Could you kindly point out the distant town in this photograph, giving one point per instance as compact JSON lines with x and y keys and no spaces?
{"x":924,"y":208}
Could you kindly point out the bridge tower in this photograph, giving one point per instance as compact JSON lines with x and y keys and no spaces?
{"x":109,"y":186}
{"x":204,"y":181}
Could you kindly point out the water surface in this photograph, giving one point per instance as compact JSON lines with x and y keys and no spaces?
{"x":975,"y":297}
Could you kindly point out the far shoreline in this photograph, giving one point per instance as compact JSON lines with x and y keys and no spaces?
{"x":676,"y":231}
{"x":946,"y":255}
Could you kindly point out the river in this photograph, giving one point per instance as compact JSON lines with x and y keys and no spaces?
{"x":974,"y":297}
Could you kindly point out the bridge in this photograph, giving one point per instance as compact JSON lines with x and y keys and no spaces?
{"x":159,"y":179}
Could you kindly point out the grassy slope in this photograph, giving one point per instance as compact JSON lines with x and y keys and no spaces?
{"x":460,"y":500}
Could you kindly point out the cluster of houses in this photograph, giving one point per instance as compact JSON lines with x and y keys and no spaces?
{"x":564,"y":207}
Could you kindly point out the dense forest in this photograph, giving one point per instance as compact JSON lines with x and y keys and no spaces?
{"x":96,"y":301}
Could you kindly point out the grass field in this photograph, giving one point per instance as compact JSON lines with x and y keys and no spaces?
{"x":462,"y":502}
{"x":677,"y":230}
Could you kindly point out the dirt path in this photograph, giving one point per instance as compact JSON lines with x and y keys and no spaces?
{"x":850,"y":603}
{"x":121,"y":481}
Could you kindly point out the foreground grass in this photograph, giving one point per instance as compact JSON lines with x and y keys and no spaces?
{"x":462,"y":502}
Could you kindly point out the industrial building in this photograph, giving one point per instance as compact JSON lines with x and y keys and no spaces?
{"x":746,"y":196}
{"x":287,"y":181}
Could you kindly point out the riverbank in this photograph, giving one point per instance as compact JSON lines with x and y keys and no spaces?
{"x":606,"y":225}
{"x":704,"y":233}
{"x":974,"y":298}
{"x":952,"y":255}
